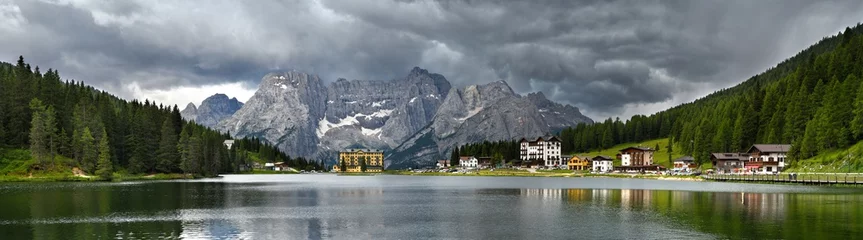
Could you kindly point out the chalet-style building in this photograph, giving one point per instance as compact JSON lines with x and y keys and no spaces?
{"x":578,"y":163}
{"x":468,"y":162}
{"x":602,"y":164}
{"x":353,"y":160}
{"x":767,"y":158}
{"x":684,"y":164}
{"x":443,"y":164}
{"x":483,"y":162}
{"x":729,"y":162}
{"x":544,"y":150}
{"x":636,"y":156}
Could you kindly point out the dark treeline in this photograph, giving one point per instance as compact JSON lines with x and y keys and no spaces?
{"x":813,"y":100}
{"x":498,"y":151}
{"x":102,"y":133}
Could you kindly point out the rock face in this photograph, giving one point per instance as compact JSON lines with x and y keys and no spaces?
{"x":416,"y":119}
{"x":213,"y":110}
{"x":190,"y":113}
{"x":284,"y":111}
{"x":490,"y":112}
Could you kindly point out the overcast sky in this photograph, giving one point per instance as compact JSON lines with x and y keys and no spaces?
{"x":609,"y":58}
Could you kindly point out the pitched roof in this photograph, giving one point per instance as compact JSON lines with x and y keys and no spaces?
{"x":770,"y":148}
{"x":543,"y":138}
{"x":565,"y":156}
{"x":730,"y":156}
{"x":602,"y":158}
{"x":685,"y":159}
{"x":465,"y":157}
{"x":363,"y":149}
{"x":637,"y":148}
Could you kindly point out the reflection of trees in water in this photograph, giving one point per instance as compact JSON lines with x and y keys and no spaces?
{"x":739,"y":214}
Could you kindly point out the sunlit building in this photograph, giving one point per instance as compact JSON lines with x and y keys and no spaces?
{"x":354,"y":159}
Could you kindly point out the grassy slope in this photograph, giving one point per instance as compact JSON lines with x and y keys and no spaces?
{"x":15,"y":167}
{"x":836,"y":161}
{"x":660,"y":156}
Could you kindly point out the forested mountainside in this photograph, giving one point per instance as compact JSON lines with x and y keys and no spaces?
{"x":813,"y":100}
{"x":103,"y":133}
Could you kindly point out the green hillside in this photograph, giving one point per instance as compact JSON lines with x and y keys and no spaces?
{"x":660,"y":156}
{"x":835,"y":161}
{"x":53,"y":127}
{"x":813,"y":100}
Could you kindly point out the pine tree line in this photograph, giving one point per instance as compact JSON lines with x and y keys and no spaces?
{"x":103,"y":133}
{"x":813,"y":101}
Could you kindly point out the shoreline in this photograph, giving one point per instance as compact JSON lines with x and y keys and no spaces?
{"x":86,"y":178}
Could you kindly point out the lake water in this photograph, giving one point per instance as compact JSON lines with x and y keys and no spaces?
{"x":419,"y":207}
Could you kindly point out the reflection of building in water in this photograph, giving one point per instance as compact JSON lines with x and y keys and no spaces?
{"x":579,"y":195}
{"x":764,"y":204}
{"x":544,"y":194}
{"x":602,"y":196}
{"x":635,"y":197}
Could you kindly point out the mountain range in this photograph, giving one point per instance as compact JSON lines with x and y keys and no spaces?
{"x":416,"y":119}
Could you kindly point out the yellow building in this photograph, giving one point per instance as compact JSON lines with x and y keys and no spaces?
{"x":578,"y":163}
{"x":353,"y":160}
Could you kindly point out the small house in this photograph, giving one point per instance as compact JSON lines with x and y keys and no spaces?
{"x":443,"y":164}
{"x":728,"y":162}
{"x":602,"y":164}
{"x":468,"y":162}
{"x":684,"y":164}
{"x":578,"y":163}
{"x":767,"y":158}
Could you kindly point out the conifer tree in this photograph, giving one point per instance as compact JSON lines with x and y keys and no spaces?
{"x":91,"y":153}
{"x":38,"y":138}
{"x":167,"y":155}
{"x":105,"y":167}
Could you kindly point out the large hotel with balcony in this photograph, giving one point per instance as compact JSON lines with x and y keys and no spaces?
{"x":543,"y":151}
{"x":353,"y":160}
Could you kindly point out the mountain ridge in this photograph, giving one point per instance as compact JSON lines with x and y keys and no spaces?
{"x":324,"y":119}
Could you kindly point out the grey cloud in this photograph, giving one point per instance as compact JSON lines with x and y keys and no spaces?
{"x":603,"y":56}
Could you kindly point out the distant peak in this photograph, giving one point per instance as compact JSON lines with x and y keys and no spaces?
{"x":499,"y":84}
{"x":419,"y":71}
{"x":190,"y":106}
{"x":538,"y":95}
{"x":218,"y":96}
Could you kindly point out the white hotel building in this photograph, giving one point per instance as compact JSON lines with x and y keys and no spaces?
{"x":546,"y":150}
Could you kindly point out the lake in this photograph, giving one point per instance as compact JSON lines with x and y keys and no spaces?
{"x":327,"y":206}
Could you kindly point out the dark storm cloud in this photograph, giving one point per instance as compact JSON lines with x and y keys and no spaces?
{"x":607,"y":57}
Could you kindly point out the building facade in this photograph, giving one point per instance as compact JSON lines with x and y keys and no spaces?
{"x":443,"y":164}
{"x":636,"y":156}
{"x":729,"y":162}
{"x":579,"y":163}
{"x":602,"y":164}
{"x":684,"y":164}
{"x":767,"y":158}
{"x":353,"y":159}
{"x":468,"y":162}
{"x":545,"y":151}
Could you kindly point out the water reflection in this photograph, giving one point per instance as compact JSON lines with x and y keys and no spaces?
{"x":366,"y":210}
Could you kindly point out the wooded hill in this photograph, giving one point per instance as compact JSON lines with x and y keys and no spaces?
{"x":813,"y":100}
{"x":103,"y":133}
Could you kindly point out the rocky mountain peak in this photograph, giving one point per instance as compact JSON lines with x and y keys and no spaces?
{"x":212,"y":110}
{"x":190,"y":113}
{"x":191,"y":107}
